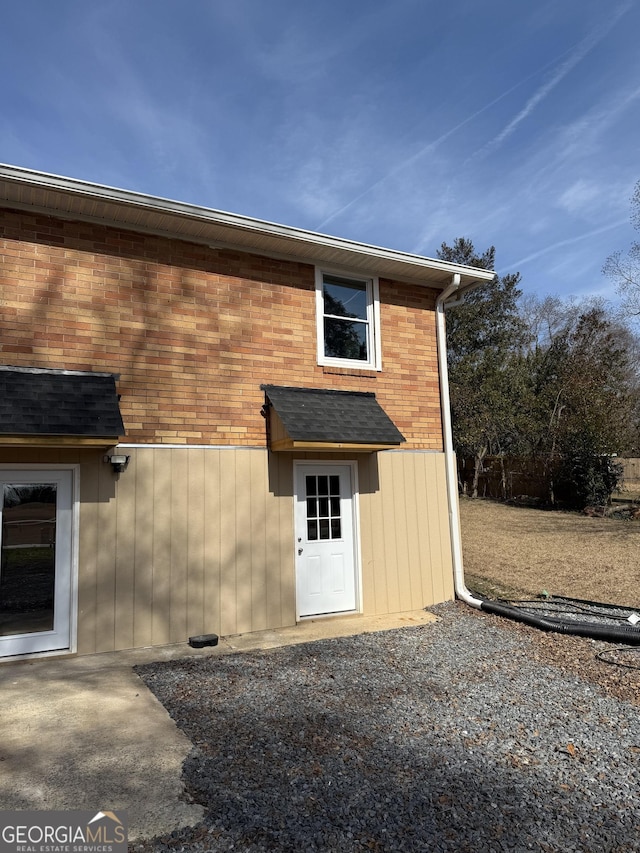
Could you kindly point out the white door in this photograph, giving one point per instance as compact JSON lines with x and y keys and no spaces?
{"x":325,"y":540}
{"x":36,"y":544}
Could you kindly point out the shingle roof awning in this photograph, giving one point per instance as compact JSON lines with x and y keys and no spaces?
{"x":58,"y":408}
{"x":324,"y":420}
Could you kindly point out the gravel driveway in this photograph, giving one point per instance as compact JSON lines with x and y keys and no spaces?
{"x":462,"y":735}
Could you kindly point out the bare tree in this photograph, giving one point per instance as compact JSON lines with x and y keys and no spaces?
{"x":624,"y":269}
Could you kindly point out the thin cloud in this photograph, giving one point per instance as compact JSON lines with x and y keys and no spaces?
{"x":431,"y":146}
{"x":574,"y":58}
{"x":570,"y":242}
{"x":583,"y":48}
{"x":583,"y":135}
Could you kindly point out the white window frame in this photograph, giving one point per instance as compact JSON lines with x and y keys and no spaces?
{"x":374,"y":361}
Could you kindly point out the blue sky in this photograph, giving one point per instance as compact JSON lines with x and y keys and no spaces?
{"x":402,"y":123}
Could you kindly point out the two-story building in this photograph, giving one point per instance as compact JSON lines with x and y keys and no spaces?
{"x":210,"y":423}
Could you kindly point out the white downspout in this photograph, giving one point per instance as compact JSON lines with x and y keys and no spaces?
{"x":450,"y":461}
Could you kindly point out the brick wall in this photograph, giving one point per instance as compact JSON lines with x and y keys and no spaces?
{"x":193,"y":331}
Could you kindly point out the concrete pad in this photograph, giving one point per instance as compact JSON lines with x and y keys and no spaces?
{"x":77,"y":736}
{"x":86,"y":733}
{"x":323,"y":629}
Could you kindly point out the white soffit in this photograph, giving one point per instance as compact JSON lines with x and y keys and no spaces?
{"x":53,"y":195}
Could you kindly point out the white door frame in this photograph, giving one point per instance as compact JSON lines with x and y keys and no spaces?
{"x":355,"y":511}
{"x":71,"y":594}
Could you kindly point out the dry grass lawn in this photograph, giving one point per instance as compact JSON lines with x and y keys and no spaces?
{"x":517,"y":552}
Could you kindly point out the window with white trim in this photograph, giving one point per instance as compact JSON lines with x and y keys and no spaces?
{"x":348,"y":320}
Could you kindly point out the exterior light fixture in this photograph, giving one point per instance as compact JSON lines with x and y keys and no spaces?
{"x":118,"y":462}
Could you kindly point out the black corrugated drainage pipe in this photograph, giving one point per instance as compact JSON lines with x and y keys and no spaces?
{"x":609,"y":633}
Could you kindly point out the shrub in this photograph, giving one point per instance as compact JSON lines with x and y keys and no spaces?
{"x":586,"y":479}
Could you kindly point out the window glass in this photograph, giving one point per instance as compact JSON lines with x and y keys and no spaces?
{"x":343,"y":299}
{"x":345,"y":339}
{"x":347,"y":319}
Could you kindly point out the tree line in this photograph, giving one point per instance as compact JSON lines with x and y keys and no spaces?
{"x":554,"y":382}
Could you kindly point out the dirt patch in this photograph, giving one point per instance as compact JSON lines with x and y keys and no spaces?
{"x":520,"y":552}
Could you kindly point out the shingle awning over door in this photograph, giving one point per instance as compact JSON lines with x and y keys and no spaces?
{"x":317,"y":419}
{"x":58,"y":408}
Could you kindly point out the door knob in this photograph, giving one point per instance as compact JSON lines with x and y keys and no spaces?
{"x":299,"y":551}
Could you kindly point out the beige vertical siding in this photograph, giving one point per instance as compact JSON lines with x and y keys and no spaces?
{"x":143,"y":527}
{"x":406,"y":549}
{"x":189,"y":541}
{"x":194,"y":540}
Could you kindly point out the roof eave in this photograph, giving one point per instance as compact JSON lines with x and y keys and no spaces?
{"x":70,"y":198}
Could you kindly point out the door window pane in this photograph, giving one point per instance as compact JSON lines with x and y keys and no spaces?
{"x":27,"y":558}
{"x":323,"y":512}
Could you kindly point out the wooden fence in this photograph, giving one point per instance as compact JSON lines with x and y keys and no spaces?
{"x":505,"y":478}
{"x":631,"y":469}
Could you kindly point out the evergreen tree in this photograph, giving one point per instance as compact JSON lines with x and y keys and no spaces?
{"x":544,"y":380}
{"x":485,"y":337}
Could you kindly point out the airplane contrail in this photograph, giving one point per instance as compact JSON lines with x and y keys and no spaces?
{"x":583,"y":48}
{"x":575,"y":56}
{"x":568,"y":242}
